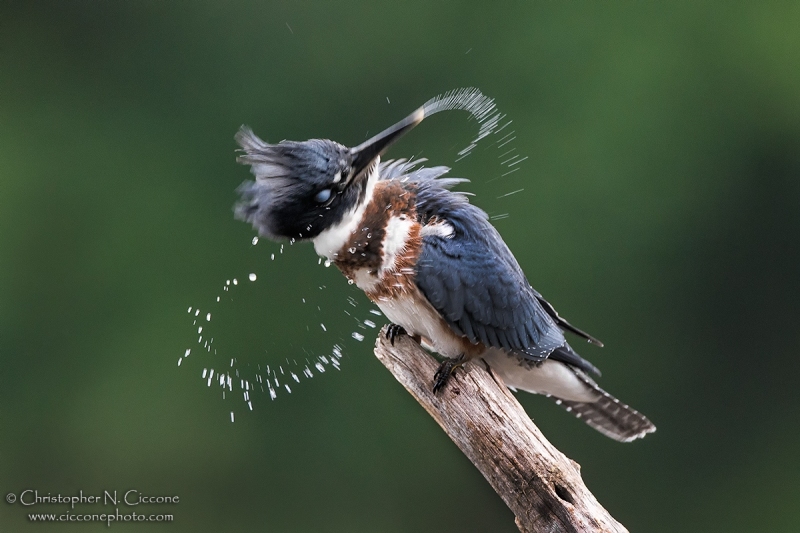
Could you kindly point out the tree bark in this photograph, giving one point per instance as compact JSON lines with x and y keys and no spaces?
{"x":541,"y":486}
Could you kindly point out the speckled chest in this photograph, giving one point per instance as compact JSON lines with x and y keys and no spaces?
{"x":381,"y":253}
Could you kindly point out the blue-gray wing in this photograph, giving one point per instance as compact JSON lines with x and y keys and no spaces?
{"x":470,"y":277}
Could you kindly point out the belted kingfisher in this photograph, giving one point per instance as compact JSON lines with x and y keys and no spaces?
{"x":429,"y":259}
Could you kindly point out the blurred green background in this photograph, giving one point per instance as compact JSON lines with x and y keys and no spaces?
{"x":660,"y":212}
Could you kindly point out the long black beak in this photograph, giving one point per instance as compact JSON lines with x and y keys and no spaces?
{"x":365,"y":153}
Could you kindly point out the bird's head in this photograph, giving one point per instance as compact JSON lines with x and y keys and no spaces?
{"x":304,"y":188}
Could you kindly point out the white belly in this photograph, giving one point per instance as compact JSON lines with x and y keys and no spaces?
{"x":422,"y":320}
{"x":551,"y":377}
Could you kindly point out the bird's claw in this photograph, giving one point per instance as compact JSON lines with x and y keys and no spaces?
{"x":446,"y":369}
{"x":394,"y":331}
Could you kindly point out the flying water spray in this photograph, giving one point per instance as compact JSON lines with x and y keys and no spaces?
{"x":492,"y":125}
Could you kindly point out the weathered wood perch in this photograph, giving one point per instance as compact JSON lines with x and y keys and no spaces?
{"x":540,"y":485}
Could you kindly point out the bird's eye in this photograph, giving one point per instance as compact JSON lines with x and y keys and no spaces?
{"x":323,"y":196}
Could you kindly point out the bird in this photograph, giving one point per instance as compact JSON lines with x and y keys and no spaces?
{"x":429,"y":259}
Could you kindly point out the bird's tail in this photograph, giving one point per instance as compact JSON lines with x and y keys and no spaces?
{"x":608,"y":415}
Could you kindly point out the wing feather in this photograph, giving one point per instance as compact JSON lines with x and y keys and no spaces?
{"x":474,"y":281}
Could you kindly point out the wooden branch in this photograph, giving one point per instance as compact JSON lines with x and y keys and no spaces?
{"x":540,"y":485}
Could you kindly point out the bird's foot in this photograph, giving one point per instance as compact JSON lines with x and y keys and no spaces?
{"x":446,"y":369}
{"x":394,"y":331}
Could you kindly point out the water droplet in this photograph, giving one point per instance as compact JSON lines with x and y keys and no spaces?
{"x":190,"y":310}
{"x":375,"y":312}
{"x":208,"y":316}
{"x":200,"y":329}
{"x":327,"y":264}
{"x":350,"y":282}
{"x":235,"y":281}
{"x":197,"y":312}
{"x":352,"y":250}
{"x":231,"y":416}
{"x":205,"y":371}
{"x":179,"y":360}
{"x":323,"y":327}
{"x":188,"y":351}
{"x":369,"y":323}
{"x":358,"y":336}
{"x":272,"y":257}
{"x":227,"y":282}
{"x":252,"y":277}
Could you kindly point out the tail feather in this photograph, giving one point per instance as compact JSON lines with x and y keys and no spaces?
{"x":608,"y":415}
